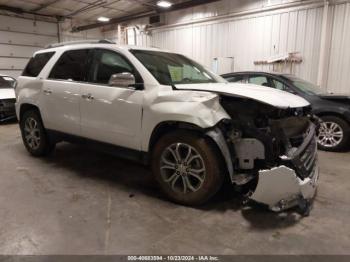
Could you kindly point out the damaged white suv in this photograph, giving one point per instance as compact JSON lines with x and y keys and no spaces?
{"x":164,"y":109}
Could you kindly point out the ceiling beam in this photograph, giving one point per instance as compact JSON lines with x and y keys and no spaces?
{"x":21,"y":11}
{"x":11,"y":9}
{"x":118,"y":20}
{"x":89,"y":7}
{"x":43,"y":6}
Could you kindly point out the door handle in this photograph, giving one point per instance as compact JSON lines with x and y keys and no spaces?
{"x":47,"y":91}
{"x":88,"y":96}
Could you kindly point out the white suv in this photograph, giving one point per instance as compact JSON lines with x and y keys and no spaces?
{"x":162,"y":108}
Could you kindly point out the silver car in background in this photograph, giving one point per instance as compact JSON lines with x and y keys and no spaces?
{"x":7,"y":98}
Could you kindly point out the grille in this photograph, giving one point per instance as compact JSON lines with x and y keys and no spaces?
{"x":304,"y":158}
{"x":7,"y":109}
{"x":308,"y":157}
{"x":7,"y":102}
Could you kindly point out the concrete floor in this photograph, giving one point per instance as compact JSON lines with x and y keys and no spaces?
{"x":84,"y":202}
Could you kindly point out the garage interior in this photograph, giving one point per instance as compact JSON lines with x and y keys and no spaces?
{"x":84,"y":202}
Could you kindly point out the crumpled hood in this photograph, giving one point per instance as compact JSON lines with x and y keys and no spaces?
{"x":7,"y":93}
{"x":267,"y":95}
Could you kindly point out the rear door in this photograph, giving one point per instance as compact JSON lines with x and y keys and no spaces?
{"x":62,"y":92}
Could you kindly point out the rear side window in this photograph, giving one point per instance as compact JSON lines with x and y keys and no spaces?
{"x":71,"y":66}
{"x":279,"y":85}
{"x":235,"y":79}
{"x":37,"y":63}
{"x":259,"y":80}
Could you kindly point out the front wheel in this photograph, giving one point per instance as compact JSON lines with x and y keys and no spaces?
{"x":34,"y":135}
{"x":333,"y":134}
{"x":188,"y":167}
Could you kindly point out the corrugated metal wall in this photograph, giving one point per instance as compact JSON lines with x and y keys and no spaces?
{"x":339,"y":54}
{"x":251,"y":39}
{"x":19,"y":39}
{"x":259,"y":36}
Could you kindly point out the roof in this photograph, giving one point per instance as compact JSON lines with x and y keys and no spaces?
{"x":94,"y":43}
{"x":258,"y":72}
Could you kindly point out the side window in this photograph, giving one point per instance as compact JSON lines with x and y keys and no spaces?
{"x":71,"y":65}
{"x":37,"y":63}
{"x":259,"y":80}
{"x":236,"y":79}
{"x":278,"y":85}
{"x":107,"y":63}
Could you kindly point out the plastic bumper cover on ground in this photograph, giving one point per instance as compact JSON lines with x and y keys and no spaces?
{"x":280,"y":188}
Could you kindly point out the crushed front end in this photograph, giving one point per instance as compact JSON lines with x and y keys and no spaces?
{"x":273,"y":151}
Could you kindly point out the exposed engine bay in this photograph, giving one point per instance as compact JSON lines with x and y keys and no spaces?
{"x":265,"y":142}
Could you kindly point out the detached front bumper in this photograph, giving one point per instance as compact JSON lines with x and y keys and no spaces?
{"x":280,"y":188}
{"x":294,"y":182}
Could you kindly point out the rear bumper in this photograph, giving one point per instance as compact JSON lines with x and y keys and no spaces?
{"x":280,"y":188}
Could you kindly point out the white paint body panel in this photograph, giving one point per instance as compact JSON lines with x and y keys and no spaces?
{"x":114,"y":115}
{"x":267,"y":95}
{"x":60,"y":109}
{"x":7,"y":93}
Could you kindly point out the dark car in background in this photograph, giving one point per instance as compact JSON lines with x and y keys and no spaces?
{"x":7,"y":98}
{"x":334,"y":110}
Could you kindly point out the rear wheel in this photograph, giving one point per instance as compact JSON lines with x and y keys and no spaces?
{"x":34,"y":135}
{"x":333,"y":134}
{"x":187,"y":167}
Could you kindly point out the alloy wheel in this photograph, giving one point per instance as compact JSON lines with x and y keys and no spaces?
{"x":330,"y":134}
{"x":32,"y":133}
{"x":183,"y":168}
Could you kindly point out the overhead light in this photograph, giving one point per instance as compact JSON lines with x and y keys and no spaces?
{"x":164,"y":4}
{"x":103,"y":19}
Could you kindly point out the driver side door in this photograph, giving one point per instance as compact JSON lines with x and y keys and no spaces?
{"x":111,"y":114}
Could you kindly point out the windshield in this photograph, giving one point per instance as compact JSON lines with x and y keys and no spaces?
{"x":173,"y":69}
{"x":7,"y":82}
{"x":305,"y":86}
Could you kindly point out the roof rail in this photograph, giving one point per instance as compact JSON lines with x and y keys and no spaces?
{"x":93,"y":41}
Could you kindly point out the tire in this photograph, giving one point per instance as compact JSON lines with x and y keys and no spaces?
{"x":34,"y":135}
{"x":333,"y":134}
{"x":187,"y":186}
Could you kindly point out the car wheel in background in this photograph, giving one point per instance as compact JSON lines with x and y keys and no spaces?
{"x":333,"y":134}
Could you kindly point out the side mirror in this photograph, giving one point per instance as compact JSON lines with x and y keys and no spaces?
{"x":290,"y":91}
{"x":122,"y":80}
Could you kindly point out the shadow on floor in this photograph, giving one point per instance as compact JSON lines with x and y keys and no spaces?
{"x":87,"y":163}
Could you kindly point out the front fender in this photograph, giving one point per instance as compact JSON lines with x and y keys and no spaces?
{"x":201,"y":109}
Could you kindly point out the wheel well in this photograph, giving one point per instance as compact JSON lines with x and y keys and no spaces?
{"x":26,"y":107}
{"x":167,"y":127}
{"x":170,"y":126}
{"x":333,"y":114}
